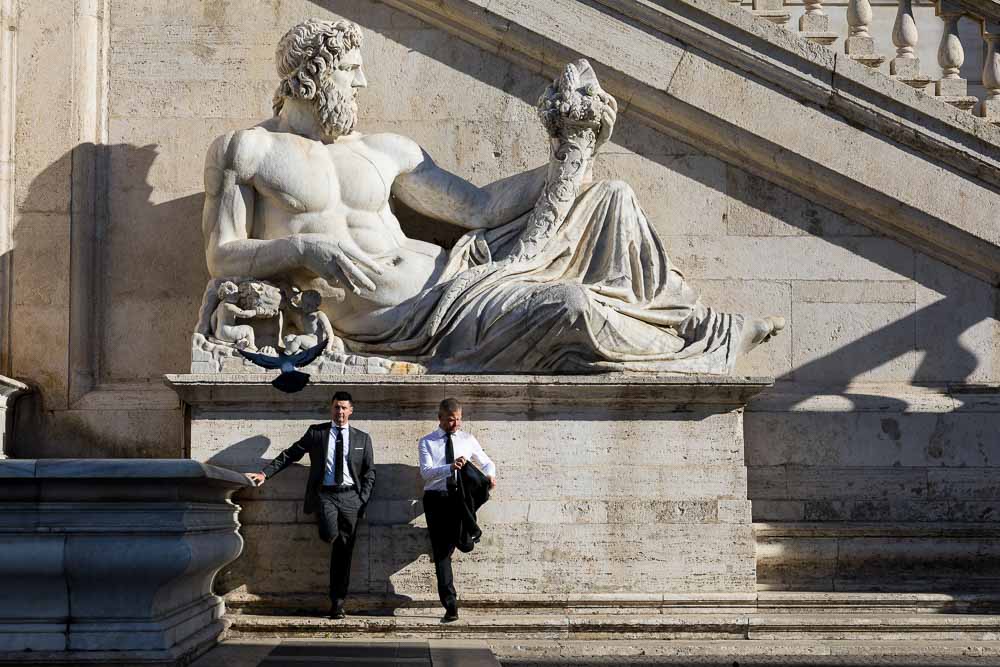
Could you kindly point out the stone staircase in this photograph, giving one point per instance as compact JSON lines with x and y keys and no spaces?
{"x":764,"y":627}
{"x":573,"y":637}
{"x":751,"y":93}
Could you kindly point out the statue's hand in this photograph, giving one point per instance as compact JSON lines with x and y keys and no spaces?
{"x":608,"y":118}
{"x":343,"y":261}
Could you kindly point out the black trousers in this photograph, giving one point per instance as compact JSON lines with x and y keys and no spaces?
{"x":443,"y":524}
{"x":338,"y":524}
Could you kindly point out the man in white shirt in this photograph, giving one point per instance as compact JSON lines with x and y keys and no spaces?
{"x":341,"y":478}
{"x":443,"y":453}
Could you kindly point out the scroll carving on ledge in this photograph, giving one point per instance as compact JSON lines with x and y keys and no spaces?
{"x":557,"y":273}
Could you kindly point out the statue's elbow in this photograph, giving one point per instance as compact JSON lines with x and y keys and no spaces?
{"x":218,"y":265}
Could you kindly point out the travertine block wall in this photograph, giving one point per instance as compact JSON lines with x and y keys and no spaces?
{"x":624,"y":497}
{"x":849,"y":433}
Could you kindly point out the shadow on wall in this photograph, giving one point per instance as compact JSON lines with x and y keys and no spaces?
{"x":943,"y":321}
{"x":131,"y":263}
{"x":285,"y":562}
{"x":918,"y":322}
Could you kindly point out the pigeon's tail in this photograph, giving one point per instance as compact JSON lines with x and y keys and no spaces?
{"x":290,"y":381}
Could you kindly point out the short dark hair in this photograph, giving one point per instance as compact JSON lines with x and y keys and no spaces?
{"x":342,"y":396}
{"x":449,"y":405}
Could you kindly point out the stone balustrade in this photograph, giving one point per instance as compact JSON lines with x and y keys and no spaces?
{"x":965,"y":34}
{"x":111,"y":561}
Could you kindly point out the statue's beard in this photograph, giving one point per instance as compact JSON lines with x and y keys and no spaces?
{"x":337,"y":111}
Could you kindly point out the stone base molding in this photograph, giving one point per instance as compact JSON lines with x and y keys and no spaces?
{"x":890,"y":556}
{"x":111,"y":561}
{"x":612,"y":484}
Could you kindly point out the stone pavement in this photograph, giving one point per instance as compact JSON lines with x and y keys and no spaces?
{"x":338,"y":653}
{"x":274,"y":652}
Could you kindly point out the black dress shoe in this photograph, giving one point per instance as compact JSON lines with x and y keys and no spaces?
{"x":337,"y":612}
{"x":450,"y":615}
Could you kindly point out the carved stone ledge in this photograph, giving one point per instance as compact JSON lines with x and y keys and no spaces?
{"x":965,"y":103}
{"x":509,"y":390}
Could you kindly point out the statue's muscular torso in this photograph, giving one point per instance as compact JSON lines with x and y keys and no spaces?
{"x":341,"y":190}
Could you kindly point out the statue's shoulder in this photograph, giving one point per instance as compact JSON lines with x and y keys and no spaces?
{"x":237,"y":146}
{"x":403,"y":150}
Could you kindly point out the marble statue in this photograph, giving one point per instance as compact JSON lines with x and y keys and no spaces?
{"x":313,"y":323}
{"x":224,"y":325}
{"x":556,"y":273}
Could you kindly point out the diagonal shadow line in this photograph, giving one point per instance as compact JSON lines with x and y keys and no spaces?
{"x":641,"y":142}
{"x":888,"y":343}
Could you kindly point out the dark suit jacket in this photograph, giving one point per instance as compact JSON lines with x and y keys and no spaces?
{"x":361,"y":462}
{"x":472,"y":490}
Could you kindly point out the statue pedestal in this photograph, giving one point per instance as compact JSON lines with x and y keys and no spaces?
{"x":613,"y":489}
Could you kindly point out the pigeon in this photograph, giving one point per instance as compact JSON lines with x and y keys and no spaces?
{"x":290,"y":380}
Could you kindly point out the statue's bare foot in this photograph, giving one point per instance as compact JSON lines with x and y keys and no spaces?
{"x":760,"y":330}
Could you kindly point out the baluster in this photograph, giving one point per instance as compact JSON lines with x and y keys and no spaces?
{"x":906,"y":65}
{"x":814,"y":25}
{"x":860,"y":45}
{"x":989,"y":108}
{"x":952,"y":88}
{"x":772,"y":10}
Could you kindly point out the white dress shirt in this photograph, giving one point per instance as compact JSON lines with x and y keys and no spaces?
{"x":329,"y":475}
{"x":435,"y":469}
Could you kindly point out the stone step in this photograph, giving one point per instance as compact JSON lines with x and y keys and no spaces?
{"x":761,"y":602}
{"x":628,"y":653}
{"x":747,"y":627}
{"x":517,"y":652}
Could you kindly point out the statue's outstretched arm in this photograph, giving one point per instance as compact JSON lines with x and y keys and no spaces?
{"x":437,"y":193}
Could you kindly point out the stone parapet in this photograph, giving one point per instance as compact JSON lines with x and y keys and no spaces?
{"x":112,"y":560}
{"x":627,"y":485}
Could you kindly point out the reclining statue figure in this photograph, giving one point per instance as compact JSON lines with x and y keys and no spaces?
{"x":556,"y":273}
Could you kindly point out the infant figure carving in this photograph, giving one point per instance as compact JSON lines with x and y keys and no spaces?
{"x":556,"y":273}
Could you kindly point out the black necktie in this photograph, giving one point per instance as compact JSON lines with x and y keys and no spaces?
{"x":338,"y":466}
{"x":449,"y":457}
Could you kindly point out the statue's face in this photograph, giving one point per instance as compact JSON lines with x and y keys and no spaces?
{"x":338,"y":114}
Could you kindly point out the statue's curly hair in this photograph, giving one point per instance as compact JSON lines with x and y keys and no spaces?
{"x":306,"y":51}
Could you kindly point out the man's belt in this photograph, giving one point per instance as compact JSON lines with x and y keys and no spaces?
{"x":337,"y":488}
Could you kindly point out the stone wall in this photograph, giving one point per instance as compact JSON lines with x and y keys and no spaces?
{"x":633,"y":489}
{"x":871,"y":419}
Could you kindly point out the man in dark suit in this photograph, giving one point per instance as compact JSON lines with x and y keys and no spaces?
{"x":341,"y":478}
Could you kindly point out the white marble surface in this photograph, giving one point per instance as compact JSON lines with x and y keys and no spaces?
{"x":557,"y":273}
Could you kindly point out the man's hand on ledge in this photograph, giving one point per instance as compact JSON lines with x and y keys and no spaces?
{"x":256,"y":477}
